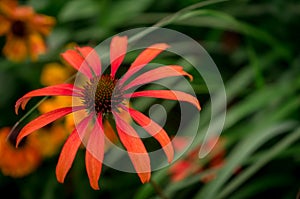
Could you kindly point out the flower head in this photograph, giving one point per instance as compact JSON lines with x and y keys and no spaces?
{"x":24,"y":30}
{"x":105,"y":94}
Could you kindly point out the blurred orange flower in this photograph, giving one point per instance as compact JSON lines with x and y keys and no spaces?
{"x":191,"y":164}
{"x":18,"y":162}
{"x":24,"y":30}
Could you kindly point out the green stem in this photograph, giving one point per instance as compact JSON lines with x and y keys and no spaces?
{"x":170,"y":18}
{"x":13,"y":130}
{"x":158,"y":190}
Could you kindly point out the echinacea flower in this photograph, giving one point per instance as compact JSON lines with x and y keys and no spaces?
{"x":104,"y":94}
{"x":18,"y":162}
{"x":24,"y":30}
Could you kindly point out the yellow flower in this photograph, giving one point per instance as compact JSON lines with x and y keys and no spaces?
{"x":69,"y":121}
{"x":21,"y":161}
{"x":58,"y":102}
{"x":54,"y":103}
{"x":55,"y":73}
{"x":52,"y":74}
{"x":50,"y":139}
{"x":24,"y":30}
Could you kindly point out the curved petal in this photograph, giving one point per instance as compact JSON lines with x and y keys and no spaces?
{"x":67,"y":156}
{"x":23,"y":12}
{"x":128,"y":74}
{"x":62,"y":89}
{"x":91,"y":57}
{"x":144,"y":58}
{"x":156,"y":74}
{"x":154,"y":130}
{"x":148,"y":54}
{"x":45,"y":119}
{"x":43,"y":23}
{"x":76,"y":60}
{"x":69,"y":151}
{"x":167,"y":94}
{"x":95,"y":153}
{"x":135,"y":147}
{"x":118,"y":48}
{"x":8,"y":7}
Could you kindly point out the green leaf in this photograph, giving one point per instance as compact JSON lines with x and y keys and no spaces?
{"x":240,"y":153}
{"x":260,"y":162}
{"x":122,"y":11}
{"x":221,"y":20}
{"x":147,"y":190}
{"x":78,"y":9}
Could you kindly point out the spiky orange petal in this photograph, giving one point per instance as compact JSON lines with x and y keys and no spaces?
{"x":118,"y":48}
{"x":95,"y":153}
{"x":166,"y":94}
{"x":45,"y":119}
{"x":135,"y":148}
{"x":156,"y":74}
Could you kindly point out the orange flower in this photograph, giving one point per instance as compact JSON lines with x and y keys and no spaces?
{"x":24,"y":30}
{"x":105,"y":94}
{"x":18,"y":162}
{"x":191,"y":164}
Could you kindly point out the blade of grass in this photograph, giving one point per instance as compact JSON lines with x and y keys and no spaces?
{"x":218,"y":19}
{"x":255,"y":63}
{"x":237,"y":84}
{"x":264,"y":159}
{"x":243,"y":150}
{"x":169,"y":19}
{"x":175,"y":186}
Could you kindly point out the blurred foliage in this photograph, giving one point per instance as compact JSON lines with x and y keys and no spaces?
{"x":255,"y":45}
